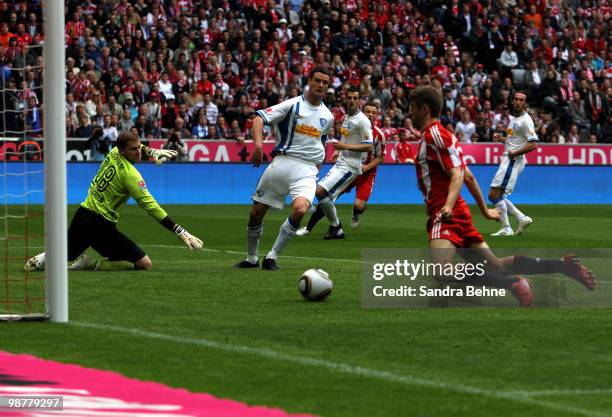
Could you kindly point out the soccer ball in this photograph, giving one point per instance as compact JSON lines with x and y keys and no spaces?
{"x":315,"y":285}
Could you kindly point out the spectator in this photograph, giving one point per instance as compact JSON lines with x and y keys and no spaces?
{"x":508,"y":60}
{"x":98,"y":145}
{"x":176,"y":144}
{"x":404,"y":154}
{"x":465,"y":128}
{"x":200,"y":130}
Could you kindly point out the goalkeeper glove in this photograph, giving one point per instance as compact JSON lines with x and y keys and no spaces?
{"x":189,"y":240}
{"x":160,"y":155}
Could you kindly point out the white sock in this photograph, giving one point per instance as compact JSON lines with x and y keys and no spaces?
{"x":254,"y":234}
{"x":503,"y":214}
{"x":286,"y":232}
{"x":328,"y":207}
{"x":513,"y":211}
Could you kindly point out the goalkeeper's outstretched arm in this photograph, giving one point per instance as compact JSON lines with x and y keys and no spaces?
{"x":158,"y":155}
{"x":189,"y":240}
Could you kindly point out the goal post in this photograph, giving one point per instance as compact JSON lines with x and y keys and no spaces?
{"x":33,"y":82}
{"x":56,"y":268}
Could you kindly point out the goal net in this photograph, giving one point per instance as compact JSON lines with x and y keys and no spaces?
{"x":26,"y":136}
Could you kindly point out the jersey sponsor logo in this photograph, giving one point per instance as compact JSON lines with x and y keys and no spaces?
{"x":323,"y":122}
{"x":308,"y":130}
{"x":142,"y":185}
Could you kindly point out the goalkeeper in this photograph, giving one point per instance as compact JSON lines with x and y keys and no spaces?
{"x":95,"y":222}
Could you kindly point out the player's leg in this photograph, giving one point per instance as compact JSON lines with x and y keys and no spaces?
{"x":79,"y":234}
{"x":254,"y":234}
{"x":523,"y":220}
{"x":359,"y":206}
{"x":496,"y":195}
{"x":302,"y":183}
{"x":494,"y":275}
{"x":569,"y":265}
{"x":299,"y":208}
{"x":270,"y":191}
{"x":328,"y":189}
{"x":364,"y":185}
{"x":121,"y":252}
{"x":315,"y":217}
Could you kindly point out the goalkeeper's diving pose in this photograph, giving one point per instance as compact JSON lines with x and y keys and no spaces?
{"x":95,"y":222}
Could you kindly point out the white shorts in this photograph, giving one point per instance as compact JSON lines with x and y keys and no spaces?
{"x":286,"y":175}
{"x":337,"y":179}
{"x":507,"y":174}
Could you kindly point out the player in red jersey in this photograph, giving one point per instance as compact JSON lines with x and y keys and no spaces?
{"x":441,"y":172}
{"x":364,"y":183}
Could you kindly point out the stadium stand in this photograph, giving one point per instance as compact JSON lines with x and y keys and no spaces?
{"x":199,"y":69}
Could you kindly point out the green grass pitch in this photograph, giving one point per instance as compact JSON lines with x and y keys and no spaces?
{"x":196,"y":323}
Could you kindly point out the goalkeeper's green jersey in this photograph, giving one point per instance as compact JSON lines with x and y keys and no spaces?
{"x":116,"y":181}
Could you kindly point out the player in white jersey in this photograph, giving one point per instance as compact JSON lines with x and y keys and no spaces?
{"x":520,"y":140}
{"x":302,"y":124}
{"x":356,"y":141}
{"x":364,"y":183}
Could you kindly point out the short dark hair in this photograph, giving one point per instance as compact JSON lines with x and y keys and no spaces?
{"x":370,"y":104}
{"x":354,"y":89}
{"x":124,"y":139}
{"x":427,"y":95}
{"x":320,"y":69}
{"x":521,"y":92}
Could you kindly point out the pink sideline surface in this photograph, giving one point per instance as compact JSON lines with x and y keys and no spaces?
{"x":90,"y":392}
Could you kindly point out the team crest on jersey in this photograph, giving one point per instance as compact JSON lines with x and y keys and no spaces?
{"x":349,"y":125}
{"x":515,"y":126}
{"x":260,"y":193}
{"x":323,"y":122}
{"x":269,"y":110}
{"x":142,"y":185}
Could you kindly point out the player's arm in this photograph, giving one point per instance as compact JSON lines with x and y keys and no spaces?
{"x":158,"y":155}
{"x":138,"y":190}
{"x":472,"y":185}
{"x":454,"y":188}
{"x":257,"y":133}
{"x":529,"y":146}
{"x":367,"y":142}
{"x":373,"y":164}
{"x":361,"y":147}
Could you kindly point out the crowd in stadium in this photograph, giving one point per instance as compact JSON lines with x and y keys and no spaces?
{"x":188,"y":69}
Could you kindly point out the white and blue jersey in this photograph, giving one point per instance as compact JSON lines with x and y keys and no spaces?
{"x":520,"y":131}
{"x":356,"y":130}
{"x":301,"y":128}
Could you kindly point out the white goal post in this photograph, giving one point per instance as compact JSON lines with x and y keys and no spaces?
{"x":56,"y":268}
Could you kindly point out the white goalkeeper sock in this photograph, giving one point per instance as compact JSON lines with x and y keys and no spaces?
{"x":503,"y":214}
{"x":285,"y":234}
{"x":329,"y":208}
{"x":513,"y":211}
{"x":254,"y":234}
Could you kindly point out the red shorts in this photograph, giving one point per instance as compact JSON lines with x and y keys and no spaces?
{"x":364,"y":184}
{"x":459,"y":230}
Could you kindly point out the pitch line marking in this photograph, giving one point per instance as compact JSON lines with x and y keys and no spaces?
{"x":244,"y":253}
{"x":341,"y":367}
{"x":562,"y":392}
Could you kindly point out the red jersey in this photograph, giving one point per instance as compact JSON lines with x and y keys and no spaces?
{"x":438,"y":153}
{"x":378,"y":148}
